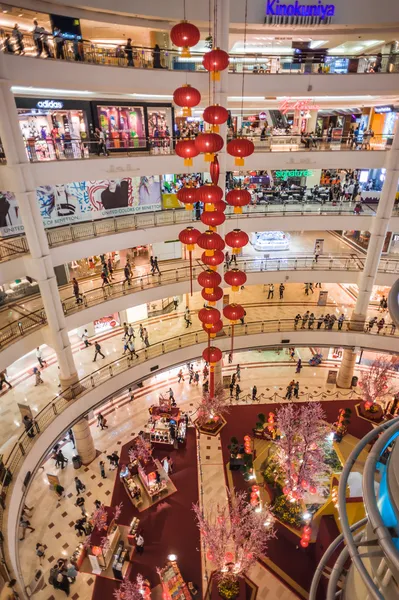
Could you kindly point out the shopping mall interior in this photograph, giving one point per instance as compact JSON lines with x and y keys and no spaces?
{"x":199,"y":272}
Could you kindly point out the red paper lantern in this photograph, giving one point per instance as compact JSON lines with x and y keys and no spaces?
{"x":307,"y":529}
{"x":254,"y":502}
{"x":306,"y":536}
{"x":313,"y":489}
{"x":236,"y":239}
{"x":185,"y":35}
{"x":220,"y":206}
{"x":209,"y":555}
{"x":210,"y":241}
{"x":215,"y":115}
{"x":209,"y":280}
{"x":209,"y":143}
{"x":213,"y":261}
{"x":189,"y":237}
{"x":186,"y":97}
{"x":238,"y":198}
{"x":213,"y":219}
{"x":209,"y":194}
{"x":286,"y":490}
{"x":235,"y":278}
{"x":255,"y":488}
{"x":187,"y":196}
{"x":209,"y":316}
{"x":213,"y":329}
{"x":304,"y":543}
{"x":247,"y":438}
{"x":254,"y":495}
{"x":213,"y":296}
{"x":214,"y":170}
{"x":304,"y":484}
{"x":186,"y":149}
{"x":233,"y":312}
{"x":240,"y":148}
{"x":212,"y":355}
{"x":229,"y":557}
{"x":215,"y":61}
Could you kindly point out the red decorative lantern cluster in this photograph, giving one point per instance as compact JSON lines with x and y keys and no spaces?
{"x":247,"y":444}
{"x":185,"y":35}
{"x":187,"y":196}
{"x":209,"y":194}
{"x":188,"y":150}
{"x":236,"y":239}
{"x":215,"y":61}
{"x":238,"y":198}
{"x":215,"y":115}
{"x":213,"y":219}
{"x":214,"y":260}
{"x":210,"y":281}
{"x":233,"y":312}
{"x":189,"y":237}
{"x":271,"y":426}
{"x":210,"y":241}
{"x":235,"y":278}
{"x":255,"y":497}
{"x":240,"y":148}
{"x":187,"y":97}
{"x":212,"y":355}
{"x":305,"y":538}
{"x":209,"y":143}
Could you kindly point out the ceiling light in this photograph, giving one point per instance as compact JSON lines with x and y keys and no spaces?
{"x":16,"y":89}
{"x":165,"y":96}
{"x":245,"y":98}
{"x":172,"y":557}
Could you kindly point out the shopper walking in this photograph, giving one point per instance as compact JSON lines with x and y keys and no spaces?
{"x":289,"y":391}
{"x":180,"y":376}
{"x":126,"y":273}
{"x":76,"y":291}
{"x":254,"y":393}
{"x":80,"y":503}
{"x":24,"y":524}
{"x":298,"y":366}
{"x":97,"y":351}
{"x":270,"y":295}
{"x":341,"y":320}
{"x":305,"y":318}
{"x":40,"y":552}
{"x":156,"y":267}
{"x":175,"y":302}
{"x":320,"y":321}
{"x":238,"y":392}
{"x":102,"y":469}
{"x":129,"y":53}
{"x":132,"y":350}
{"x":101,"y":142}
{"x":317,"y":251}
{"x":3,"y":380}
{"x":380,"y":325}
{"x":296,"y":320}
{"x":85,"y":338}
{"x":296,"y":389}
{"x":38,"y":377}
{"x":141,"y":331}
{"x":231,"y":388}
{"x":59,"y":43}
{"x":311,"y":321}
{"x":187,"y":317}
{"x":238,"y":372}
{"x":102,"y":421}
{"x":18,"y":37}
{"x":281,"y":290}
{"x":145,"y":338}
{"x":79,"y":485}
{"x":37,"y":37}
{"x":106,"y":281}
{"x":28,"y":424}
{"x":130,"y":333}
{"x":60,"y":460}
{"x":40,"y":358}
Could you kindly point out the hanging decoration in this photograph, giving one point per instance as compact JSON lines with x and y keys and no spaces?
{"x":188,"y":150}
{"x":185,"y":35}
{"x":215,"y":115}
{"x":214,"y":260}
{"x":240,"y":148}
{"x":213,"y":219}
{"x":215,"y":61}
{"x":214,"y":170}
{"x":236,"y":239}
{"x":189,"y":238}
{"x":208,"y":194}
{"x":238,"y":198}
{"x":213,"y":329}
{"x":233,"y":312}
{"x":187,"y":195}
{"x":210,"y":241}
{"x":212,"y":355}
{"x":209,"y":143}
{"x":235,"y":278}
{"x":186,"y":97}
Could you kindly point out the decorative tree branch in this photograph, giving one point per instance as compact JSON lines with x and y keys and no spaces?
{"x":141,"y":450}
{"x":130,"y":590}
{"x":376,"y":382}
{"x":99,"y":518}
{"x":300,"y":450}
{"x":118,"y":510}
{"x":212,"y":406}
{"x":235,"y":535}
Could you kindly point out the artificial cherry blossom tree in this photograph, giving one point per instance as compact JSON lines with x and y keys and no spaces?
{"x":130,"y":590}
{"x":212,"y":407}
{"x":118,"y":510}
{"x":377,"y":382}
{"x":99,"y":518}
{"x":299,"y":455}
{"x":141,"y":450}
{"x":235,"y":535}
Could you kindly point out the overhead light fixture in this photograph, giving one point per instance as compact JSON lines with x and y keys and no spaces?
{"x":245,"y":98}
{"x":172,"y":557}
{"x":165,"y":96}
{"x":17,"y":89}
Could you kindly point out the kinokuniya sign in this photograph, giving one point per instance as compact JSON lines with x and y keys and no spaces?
{"x":275,"y":8}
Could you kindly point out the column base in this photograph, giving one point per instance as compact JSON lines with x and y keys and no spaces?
{"x":83,"y":441}
{"x":67,"y":382}
{"x":357,"y":322}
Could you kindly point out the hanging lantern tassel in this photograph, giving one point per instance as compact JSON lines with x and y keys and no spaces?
{"x":189,"y":237}
{"x":239,"y":161}
{"x":215,"y":75}
{"x":188,"y":162}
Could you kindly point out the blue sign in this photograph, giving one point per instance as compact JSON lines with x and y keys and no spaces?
{"x":297,"y":9}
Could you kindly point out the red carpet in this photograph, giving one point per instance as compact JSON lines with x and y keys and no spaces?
{"x":298,"y":563}
{"x":168,"y":527}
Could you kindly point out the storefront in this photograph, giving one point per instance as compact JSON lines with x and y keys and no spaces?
{"x":54,"y":129}
{"x":132,"y":127}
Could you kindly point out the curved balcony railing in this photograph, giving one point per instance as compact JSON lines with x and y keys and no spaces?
{"x":20,"y":327}
{"x":145,"y":58}
{"x":67,"y":234}
{"x":39,"y":150}
{"x":13,"y":247}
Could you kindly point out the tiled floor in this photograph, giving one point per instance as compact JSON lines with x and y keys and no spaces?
{"x":254,"y":299}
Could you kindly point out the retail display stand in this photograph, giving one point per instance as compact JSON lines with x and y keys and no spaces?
{"x":173,"y":585}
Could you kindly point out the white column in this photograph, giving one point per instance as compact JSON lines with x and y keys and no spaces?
{"x":311,"y":123}
{"x":41,"y":267}
{"x":84,"y":441}
{"x":367,"y":278}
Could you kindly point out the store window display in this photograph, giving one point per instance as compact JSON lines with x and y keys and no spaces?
{"x":159,"y":129}
{"x":124,"y":126}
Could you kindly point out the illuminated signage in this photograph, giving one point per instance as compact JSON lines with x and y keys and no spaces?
{"x":296,"y":173}
{"x":275,"y":8}
{"x":262,"y":116}
{"x":51,"y":104}
{"x":293,"y":105}
{"x":380,"y":110}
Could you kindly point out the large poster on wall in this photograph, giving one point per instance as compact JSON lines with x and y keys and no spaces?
{"x":90,"y":200}
{"x":10,"y":220}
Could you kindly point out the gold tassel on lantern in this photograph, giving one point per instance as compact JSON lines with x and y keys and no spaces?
{"x":215,"y":75}
{"x":185,"y":53}
{"x":186,"y":111}
{"x":188,"y":162}
{"x":209,"y":156}
{"x":239,"y":161}
{"x":215,"y":128}
{"x":237,"y":210}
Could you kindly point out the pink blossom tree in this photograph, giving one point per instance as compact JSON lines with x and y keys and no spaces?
{"x":377,"y":381}
{"x":299,"y":454}
{"x":212,"y":406}
{"x":141,"y":450}
{"x":131,"y":590}
{"x":118,"y":510}
{"x":99,"y":518}
{"x":235,"y":535}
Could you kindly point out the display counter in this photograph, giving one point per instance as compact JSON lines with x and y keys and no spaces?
{"x":266,"y":241}
{"x":173,"y":585}
{"x":154,"y":486}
